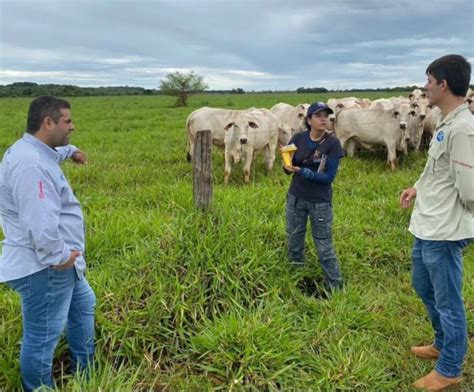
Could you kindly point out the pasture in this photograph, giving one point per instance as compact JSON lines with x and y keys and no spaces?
{"x":192,"y":301}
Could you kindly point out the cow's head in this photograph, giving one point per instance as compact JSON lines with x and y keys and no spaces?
{"x":237,"y":134}
{"x":470,"y":103}
{"x":298,"y":118}
{"x":409,"y":123}
{"x":284,"y":134}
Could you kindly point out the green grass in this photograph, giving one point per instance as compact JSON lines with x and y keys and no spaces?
{"x":206,"y":301}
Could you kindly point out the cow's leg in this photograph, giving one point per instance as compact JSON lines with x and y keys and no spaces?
{"x":248,"y":164}
{"x":350,"y":148}
{"x":190,"y":154}
{"x":269,"y":157}
{"x":392,"y":155}
{"x":227,"y":167}
{"x":419,"y":137}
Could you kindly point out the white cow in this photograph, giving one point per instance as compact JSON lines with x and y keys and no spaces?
{"x":383,"y":104}
{"x":369,"y":128}
{"x":291,"y":116}
{"x":337,"y":105}
{"x":218,"y":121}
{"x":416,"y":94}
{"x":411,"y":123}
{"x":430,"y":122}
{"x":264,"y":136}
{"x":399,"y":100}
{"x":470,"y":100}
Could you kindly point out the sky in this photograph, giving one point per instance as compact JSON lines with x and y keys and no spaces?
{"x":250,"y":44}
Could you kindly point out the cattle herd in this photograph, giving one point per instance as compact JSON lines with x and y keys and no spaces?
{"x":395,"y":124}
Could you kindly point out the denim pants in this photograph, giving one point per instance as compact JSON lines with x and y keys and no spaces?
{"x":51,"y":301}
{"x":320,"y":217}
{"x":437,"y":279}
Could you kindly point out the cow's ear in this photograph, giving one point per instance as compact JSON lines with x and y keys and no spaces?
{"x":253,"y":125}
{"x":228,"y":126}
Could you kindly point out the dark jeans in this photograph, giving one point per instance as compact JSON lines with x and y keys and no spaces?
{"x":437,"y":279}
{"x":320,"y":217}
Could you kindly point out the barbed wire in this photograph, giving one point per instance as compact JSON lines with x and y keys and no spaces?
{"x":342,"y":124}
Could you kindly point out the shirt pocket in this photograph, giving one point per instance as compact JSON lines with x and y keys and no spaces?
{"x":436,"y":152}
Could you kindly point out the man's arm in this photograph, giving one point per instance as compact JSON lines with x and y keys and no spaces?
{"x":39,"y":208}
{"x":462,"y":165}
{"x":72,"y":152}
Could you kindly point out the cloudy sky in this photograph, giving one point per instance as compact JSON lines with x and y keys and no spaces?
{"x":249,"y":44}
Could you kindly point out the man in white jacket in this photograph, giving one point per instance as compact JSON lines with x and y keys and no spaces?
{"x":443,"y":221}
{"x":43,"y":250}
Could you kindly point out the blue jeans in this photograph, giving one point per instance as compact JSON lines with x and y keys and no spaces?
{"x":320,"y":216}
{"x":51,"y":301}
{"x":437,"y":279}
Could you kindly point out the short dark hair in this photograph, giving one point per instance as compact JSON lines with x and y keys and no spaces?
{"x":453,"y":68}
{"x":45,"y":106}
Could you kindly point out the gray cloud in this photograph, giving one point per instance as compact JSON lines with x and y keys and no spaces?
{"x":250,"y":44}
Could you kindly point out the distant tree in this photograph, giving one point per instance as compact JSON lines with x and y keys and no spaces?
{"x":181,"y":85}
{"x":316,"y":90}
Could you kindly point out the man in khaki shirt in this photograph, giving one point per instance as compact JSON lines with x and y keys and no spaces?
{"x":443,"y":221}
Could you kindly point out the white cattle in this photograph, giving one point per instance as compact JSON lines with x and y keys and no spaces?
{"x":470,"y":103}
{"x":369,"y":128}
{"x":291,"y":116}
{"x":382,"y":104}
{"x":407,"y":115}
{"x":416,"y":94}
{"x":470,"y":100}
{"x":364,"y":102}
{"x":423,"y":107}
{"x":399,"y":100}
{"x":430,"y":122}
{"x":337,"y":105}
{"x":411,"y":124}
{"x":264,"y":136}
{"x":218,"y":121}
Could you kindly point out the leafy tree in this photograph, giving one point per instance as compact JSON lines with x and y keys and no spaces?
{"x":181,"y":85}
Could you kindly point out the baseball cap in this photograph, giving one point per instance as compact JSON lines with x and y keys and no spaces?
{"x":317,"y":107}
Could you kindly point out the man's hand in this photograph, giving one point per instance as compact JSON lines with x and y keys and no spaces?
{"x":79,"y":157}
{"x":406,"y":197}
{"x":70,"y":263}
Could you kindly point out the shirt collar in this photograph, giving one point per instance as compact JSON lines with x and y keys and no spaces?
{"x":49,"y":152}
{"x":448,"y":119}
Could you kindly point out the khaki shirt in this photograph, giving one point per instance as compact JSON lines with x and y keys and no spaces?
{"x":444,"y":207}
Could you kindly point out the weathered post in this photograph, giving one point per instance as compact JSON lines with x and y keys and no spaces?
{"x":202,"y":170}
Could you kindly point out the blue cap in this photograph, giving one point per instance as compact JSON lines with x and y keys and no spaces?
{"x":317,"y":107}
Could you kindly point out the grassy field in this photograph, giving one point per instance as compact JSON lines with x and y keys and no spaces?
{"x":192,"y":301}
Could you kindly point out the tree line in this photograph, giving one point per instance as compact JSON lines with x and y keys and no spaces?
{"x":29,"y":89}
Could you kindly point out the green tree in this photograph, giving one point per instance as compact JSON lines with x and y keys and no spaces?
{"x":181,"y":85}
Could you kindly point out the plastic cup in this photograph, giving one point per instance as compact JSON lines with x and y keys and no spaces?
{"x":287,"y":153}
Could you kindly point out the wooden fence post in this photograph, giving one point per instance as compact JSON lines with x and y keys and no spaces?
{"x":202,"y":170}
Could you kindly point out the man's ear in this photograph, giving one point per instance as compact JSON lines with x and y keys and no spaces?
{"x":48,"y":121}
{"x":444,"y":85}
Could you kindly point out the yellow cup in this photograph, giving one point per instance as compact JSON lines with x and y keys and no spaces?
{"x":287,"y":153}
